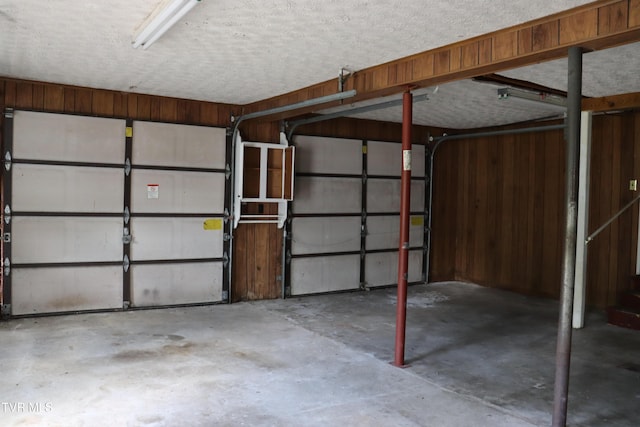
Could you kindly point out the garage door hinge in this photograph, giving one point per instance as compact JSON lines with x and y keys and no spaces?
{"x":127,"y":167}
{"x":7,"y":160}
{"x":227,"y":171}
{"x":7,"y":267}
{"x":225,"y":260}
{"x":125,"y":263}
{"x":127,"y":215}
{"x":7,"y":237}
{"x":5,"y":311}
{"x":7,"y":214}
{"x":126,"y":237}
{"x":8,"y":113}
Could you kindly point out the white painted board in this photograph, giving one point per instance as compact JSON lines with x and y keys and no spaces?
{"x":325,"y":235}
{"x":46,"y":188}
{"x":327,"y":195}
{"x":381,"y":269}
{"x":177,"y":192}
{"x":60,"y":289}
{"x":65,"y":137}
{"x":383,"y":195}
{"x":315,"y":154}
{"x":324,"y":274}
{"x":383,"y":232}
{"x":66,"y":239}
{"x":168,"y":144}
{"x":168,"y":284}
{"x":174,"y":238}
{"x":385,"y":158}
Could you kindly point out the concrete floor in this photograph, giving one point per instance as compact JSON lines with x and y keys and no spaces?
{"x":478,"y":357}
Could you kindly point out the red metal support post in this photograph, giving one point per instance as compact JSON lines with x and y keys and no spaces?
{"x":403,"y":253}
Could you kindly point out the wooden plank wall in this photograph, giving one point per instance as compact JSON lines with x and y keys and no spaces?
{"x":499,"y":210}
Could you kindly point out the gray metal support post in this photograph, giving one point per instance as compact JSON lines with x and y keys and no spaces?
{"x":563,"y":348}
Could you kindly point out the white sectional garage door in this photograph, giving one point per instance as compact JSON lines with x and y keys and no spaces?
{"x":97,"y":218}
{"x":344,"y":226}
{"x":177,"y":209}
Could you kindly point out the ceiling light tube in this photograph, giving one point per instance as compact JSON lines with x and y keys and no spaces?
{"x":162,"y":21}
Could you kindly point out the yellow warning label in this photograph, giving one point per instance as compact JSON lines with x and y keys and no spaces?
{"x":213,"y":224}
{"x":128,"y":132}
{"x":417,"y":220}
{"x":364,"y":149}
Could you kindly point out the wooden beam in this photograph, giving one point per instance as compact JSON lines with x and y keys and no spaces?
{"x":540,"y":40}
{"x":609,"y":103}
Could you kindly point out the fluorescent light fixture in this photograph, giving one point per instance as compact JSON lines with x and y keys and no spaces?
{"x":541,"y":97}
{"x":163,"y":18}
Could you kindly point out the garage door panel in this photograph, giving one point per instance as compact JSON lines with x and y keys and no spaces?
{"x":63,"y":137}
{"x":385,"y":158}
{"x":61,"y":289}
{"x":383,"y":232}
{"x":328,"y":155}
{"x":325,"y":274}
{"x":165,"y":144}
{"x":47,"y":188}
{"x":383,"y":195}
{"x":66,"y":239}
{"x":178,"y":192}
{"x":324,"y":235}
{"x":327,"y":195}
{"x":174,"y":238}
{"x":381,"y":269}
{"x":168,"y":284}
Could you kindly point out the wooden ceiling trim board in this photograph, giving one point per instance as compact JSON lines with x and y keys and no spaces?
{"x":609,"y":103}
{"x":540,"y":40}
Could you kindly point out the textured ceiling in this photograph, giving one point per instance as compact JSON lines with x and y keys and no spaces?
{"x":244,"y":51}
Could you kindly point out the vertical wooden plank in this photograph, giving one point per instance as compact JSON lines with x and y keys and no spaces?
{"x":613,"y":18}
{"x":38,"y":97}
{"x":469,"y":56}
{"x":485,"y":51}
{"x":505,"y":45}
{"x":154,"y":108}
{"x":69,"y":100}
{"x":493,"y":216}
{"x":423,"y":66}
{"x":441,"y":62}
{"x":10,"y":93}
{"x":579,"y":26}
{"x":634,"y":13}
{"x":53,"y":98}
{"x":132,"y":106}
{"x":188,"y":111}
{"x":209,"y":113}
{"x":102,"y":103}
{"x":478,"y":157}
{"x":511,"y":188}
{"x":456,"y":57}
{"x":239,"y":273}
{"x":545,"y":36}
{"x":84,"y":100}
{"x":525,"y":41}
{"x":615,"y":201}
{"x":120,"y":104}
{"x":144,"y":107}
{"x":24,"y":98}
{"x":168,"y":110}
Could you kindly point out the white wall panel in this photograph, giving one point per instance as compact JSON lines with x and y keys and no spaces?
{"x":327,"y":195}
{"x":63,"y":137}
{"x":50,"y":290}
{"x":323,"y":235}
{"x":381,"y":269}
{"x":167,"y":144}
{"x":174,"y":238}
{"x":385,"y":158}
{"x":45,"y":188}
{"x":66,"y":239}
{"x":179,"y":192}
{"x":316,"y":154}
{"x":325,"y":274}
{"x":383,"y":232}
{"x":383,"y":195}
{"x":167,"y":284}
